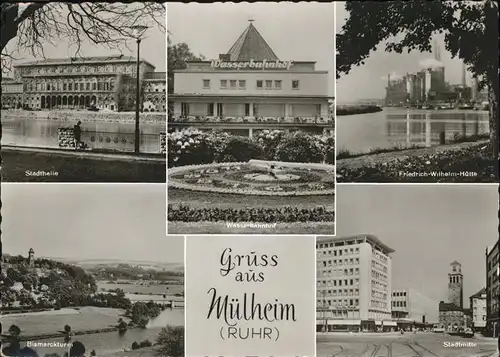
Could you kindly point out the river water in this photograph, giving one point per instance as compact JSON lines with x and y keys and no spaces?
{"x":404,"y":128}
{"x":97,"y":135}
{"x":108,"y":343}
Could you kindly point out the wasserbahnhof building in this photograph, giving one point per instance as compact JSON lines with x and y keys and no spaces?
{"x":107,"y":82}
{"x":250,"y":88}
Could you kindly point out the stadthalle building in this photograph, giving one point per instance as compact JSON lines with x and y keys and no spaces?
{"x":249,"y":87}
{"x":107,"y":82}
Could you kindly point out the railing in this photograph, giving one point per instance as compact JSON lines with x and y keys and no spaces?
{"x":102,"y":140}
{"x":250,"y":119}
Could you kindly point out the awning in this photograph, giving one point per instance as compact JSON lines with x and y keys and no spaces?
{"x":386,"y":323}
{"x":344,"y":322}
{"x":390,"y":323}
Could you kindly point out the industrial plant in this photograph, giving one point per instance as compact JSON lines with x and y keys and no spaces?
{"x":428,"y":89}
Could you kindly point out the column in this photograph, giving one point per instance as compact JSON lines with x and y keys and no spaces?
{"x":251,"y":110}
{"x":287,"y":110}
{"x":250,"y":133}
{"x":323,"y":110}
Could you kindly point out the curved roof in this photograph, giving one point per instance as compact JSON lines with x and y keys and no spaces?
{"x":251,"y":45}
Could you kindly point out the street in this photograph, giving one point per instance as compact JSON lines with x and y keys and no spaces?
{"x":421,"y":344}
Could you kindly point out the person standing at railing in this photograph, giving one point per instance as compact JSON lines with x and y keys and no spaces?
{"x":77,"y":133}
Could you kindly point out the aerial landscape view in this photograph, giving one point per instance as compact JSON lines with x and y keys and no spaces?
{"x":71,"y":291}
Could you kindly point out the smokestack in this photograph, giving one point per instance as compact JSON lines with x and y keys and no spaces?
{"x":389,"y":80}
{"x":463,"y":75}
{"x":436,"y":50}
{"x":475,"y":89}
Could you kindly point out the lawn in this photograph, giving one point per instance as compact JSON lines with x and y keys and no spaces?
{"x":221,"y":200}
{"x":87,"y":318}
{"x":16,"y":165}
{"x":326,"y":228}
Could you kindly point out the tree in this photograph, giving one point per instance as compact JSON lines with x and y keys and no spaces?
{"x":108,"y":24}
{"x":14,"y":345}
{"x":14,"y":331}
{"x":77,"y":349}
{"x":470,"y":30}
{"x":171,"y":341}
{"x":122,"y":325}
{"x":178,"y":55}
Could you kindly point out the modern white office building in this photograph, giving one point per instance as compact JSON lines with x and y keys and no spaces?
{"x":353,"y":284}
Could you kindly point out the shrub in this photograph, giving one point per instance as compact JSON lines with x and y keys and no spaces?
{"x":188,"y":147}
{"x":171,"y":341}
{"x":299,"y":147}
{"x":194,"y":147}
{"x":269,"y":141}
{"x":241,"y":149}
{"x":145,"y":343}
{"x":186,"y":213}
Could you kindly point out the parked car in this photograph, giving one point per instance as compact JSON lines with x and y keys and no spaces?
{"x":468,"y":333}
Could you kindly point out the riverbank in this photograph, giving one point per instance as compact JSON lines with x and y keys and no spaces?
{"x":61,"y":334}
{"x":22,"y":164}
{"x":83,"y":116}
{"x":360,"y":109}
{"x":462,"y":162}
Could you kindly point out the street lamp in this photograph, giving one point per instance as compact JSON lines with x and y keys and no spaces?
{"x":138,"y":32}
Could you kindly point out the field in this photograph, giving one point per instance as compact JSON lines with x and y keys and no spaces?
{"x":143,"y":289}
{"x":86,"y":318}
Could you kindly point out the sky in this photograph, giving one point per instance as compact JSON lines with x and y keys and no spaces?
{"x":368,"y":81}
{"x":152,"y":49}
{"x":89,"y":221}
{"x":428,"y":226}
{"x":295,"y":31}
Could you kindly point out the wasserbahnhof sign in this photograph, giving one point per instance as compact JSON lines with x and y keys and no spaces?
{"x":252,"y":64}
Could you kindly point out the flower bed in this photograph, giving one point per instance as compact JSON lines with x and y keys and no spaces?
{"x":288,"y":214}
{"x":224,"y":177}
{"x":472,"y":163}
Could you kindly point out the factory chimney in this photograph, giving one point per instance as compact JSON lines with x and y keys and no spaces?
{"x":475,"y":89}
{"x":437,"y":51}
{"x":463,"y":75}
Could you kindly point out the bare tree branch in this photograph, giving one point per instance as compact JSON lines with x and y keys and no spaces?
{"x":42,"y":23}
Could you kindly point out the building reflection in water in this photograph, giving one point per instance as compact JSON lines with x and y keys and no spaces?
{"x":425,"y":129}
{"x":97,"y":135}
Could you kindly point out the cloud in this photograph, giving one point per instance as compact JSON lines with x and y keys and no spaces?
{"x":430,"y":63}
